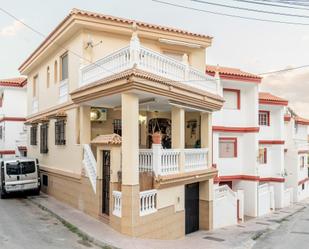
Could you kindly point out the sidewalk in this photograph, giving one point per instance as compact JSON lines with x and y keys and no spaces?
{"x":236,"y":237}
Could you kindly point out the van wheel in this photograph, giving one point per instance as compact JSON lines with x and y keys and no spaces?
{"x":2,"y":194}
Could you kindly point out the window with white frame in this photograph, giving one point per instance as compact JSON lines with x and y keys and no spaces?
{"x":231,"y":98}
{"x":263,"y":155}
{"x":227,"y":147}
{"x":264,"y":118}
{"x":64,"y":66}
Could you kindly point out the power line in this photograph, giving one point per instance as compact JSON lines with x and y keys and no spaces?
{"x":248,"y":9}
{"x":293,"y":3}
{"x":113,"y":73}
{"x":270,"y":4}
{"x":229,"y":15}
{"x":284,"y":70}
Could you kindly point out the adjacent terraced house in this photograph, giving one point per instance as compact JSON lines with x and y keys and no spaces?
{"x":119,"y":116}
{"x":13,"y":111}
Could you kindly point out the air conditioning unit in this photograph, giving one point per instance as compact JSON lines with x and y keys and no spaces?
{"x":98,"y":114}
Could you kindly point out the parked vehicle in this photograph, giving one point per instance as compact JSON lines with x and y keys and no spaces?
{"x":19,"y":175}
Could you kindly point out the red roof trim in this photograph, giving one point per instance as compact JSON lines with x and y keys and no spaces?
{"x":236,"y":129}
{"x":13,"y":119}
{"x":271,"y":142}
{"x":14,"y":82}
{"x":273,"y":102}
{"x":22,"y":148}
{"x":243,"y":78}
{"x":7,"y":152}
{"x":303,"y":151}
{"x":248,"y":178}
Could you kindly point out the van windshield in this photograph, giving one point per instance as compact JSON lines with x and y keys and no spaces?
{"x":20,"y":168}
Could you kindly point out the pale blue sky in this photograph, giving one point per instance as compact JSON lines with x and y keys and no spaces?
{"x":250,"y":45}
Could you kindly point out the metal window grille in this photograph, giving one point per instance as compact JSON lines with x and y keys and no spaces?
{"x":44,"y":139}
{"x":117,"y":126}
{"x":60,"y":132}
{"x":33,"y":135}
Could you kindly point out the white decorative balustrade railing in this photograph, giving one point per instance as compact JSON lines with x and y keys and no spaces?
{"x":195,"y":159}
{"x":90,"y":166}
{"x":150,"y":61}
{"x":117,"y":203}
{"x":148,"y":202}
{"x":116,"y":62}
{"x":168,"y":161}
{"x":145,"y":160}
{"x":225,"y":191}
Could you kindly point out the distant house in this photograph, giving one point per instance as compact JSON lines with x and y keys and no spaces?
{"x":296,"y":154}
{"x":13,"y":111}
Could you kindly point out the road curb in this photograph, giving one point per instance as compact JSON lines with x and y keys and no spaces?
{"x":82,"y":234}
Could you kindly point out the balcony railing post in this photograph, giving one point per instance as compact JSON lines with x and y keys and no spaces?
{"x":135,"y":47}
{"x":185,"y":61}
{"x":157,"y":153}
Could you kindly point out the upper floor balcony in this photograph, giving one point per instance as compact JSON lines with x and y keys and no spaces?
{"x":150,"y":61}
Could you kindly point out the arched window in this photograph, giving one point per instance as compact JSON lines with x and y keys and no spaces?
{"x":56,"y":72}
{"x":47,"y":77}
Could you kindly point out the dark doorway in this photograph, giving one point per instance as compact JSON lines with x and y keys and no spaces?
{"x":192,"y":207}
{"x":106,"y":181}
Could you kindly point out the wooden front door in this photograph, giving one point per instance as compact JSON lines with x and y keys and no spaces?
{"x":106,"y":181}
{"x":192,"y":207}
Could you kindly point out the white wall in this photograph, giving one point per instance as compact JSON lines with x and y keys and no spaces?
{"x":250,"y":196}
{"x":14,"y":105}
{"x":247,"y":116}
{"x":224,"y":212}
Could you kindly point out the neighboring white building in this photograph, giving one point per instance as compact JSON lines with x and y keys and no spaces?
{"x":296,"y":154}
{"x":13,"y":111}
{"x":271,"y":148}
{"x":235,"y":146}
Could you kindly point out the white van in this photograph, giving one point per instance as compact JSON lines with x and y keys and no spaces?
{"x":18,"y":175}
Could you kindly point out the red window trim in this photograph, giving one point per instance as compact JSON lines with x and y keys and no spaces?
{"x":237,"y":91}
{"x":234,"y":140}
{"x":268,"y":116}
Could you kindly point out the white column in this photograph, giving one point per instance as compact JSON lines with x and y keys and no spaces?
{"x":130,"y":145}
{"x":206,"y":135}
{"x":178,"y":132}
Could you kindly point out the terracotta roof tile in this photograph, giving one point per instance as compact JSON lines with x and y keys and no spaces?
{"x":232,"y":73}
{"x":14,"y":82}
{"x":107,"y":139}
{"x":138,"y":23}
{"x":268,"y":98}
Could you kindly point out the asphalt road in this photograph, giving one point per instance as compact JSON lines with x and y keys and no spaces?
{"x":293,"y":233}
{"x":25,"y":226}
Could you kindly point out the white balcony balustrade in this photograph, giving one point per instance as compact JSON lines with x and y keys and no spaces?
{"x":195,"y":159}
{"x":167,"y":161}
{"x":150,"y":61}
{"x":148,"y":202}
{"x":117,"y":203}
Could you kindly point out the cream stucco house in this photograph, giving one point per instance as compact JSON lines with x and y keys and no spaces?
{"x":102,"y":93}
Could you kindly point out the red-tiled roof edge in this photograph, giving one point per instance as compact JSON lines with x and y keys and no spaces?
{"x":229,"y":73}
{"x":301,"y":121}
{"x":270,"y":99}
{"x":14,"y":82}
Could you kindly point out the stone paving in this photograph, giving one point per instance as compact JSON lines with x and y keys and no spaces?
{"x":233,"y":237}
